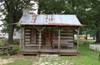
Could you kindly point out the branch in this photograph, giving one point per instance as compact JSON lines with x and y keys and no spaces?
{"x":6,"y":2}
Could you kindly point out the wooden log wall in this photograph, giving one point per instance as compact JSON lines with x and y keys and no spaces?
{"x":31,"y":37}
{"x":66,"y":38}
{"x":27,"y":36}
{"x":38,"y":38}
{"x":32,"y":40}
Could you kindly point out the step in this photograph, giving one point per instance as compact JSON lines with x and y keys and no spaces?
{"x":49,"y":55}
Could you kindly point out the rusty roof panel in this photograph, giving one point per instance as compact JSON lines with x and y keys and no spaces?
{"x":50,"y":20}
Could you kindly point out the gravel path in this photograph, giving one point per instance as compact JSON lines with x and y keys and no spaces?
{"x":51,"y":61}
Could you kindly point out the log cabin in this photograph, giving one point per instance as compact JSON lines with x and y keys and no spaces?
{"x":53,"y":34}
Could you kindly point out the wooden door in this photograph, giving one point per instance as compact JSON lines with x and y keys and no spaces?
{"x":48,"y":39}
{"x":33,"y":36}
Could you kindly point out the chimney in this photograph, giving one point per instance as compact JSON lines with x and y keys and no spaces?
{"x":26,"y":12}
{"x":33,"y":8}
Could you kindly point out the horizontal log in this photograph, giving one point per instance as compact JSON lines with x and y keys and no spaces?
{"x":27,"y":42}
{"x":67,"y":33}
{"x":67,"y":27}
{"x":64,"y":34}
{"x":62,"y":43}
{"x":63,"y":37}
{"x":27,"y":37}
{"x":67,"y":45}
{"x":35,"y":45}
{"x":27,"y":29}
{"x":39,"y":40}
{"x":63,"y":40}
{"x":33,"y":41}
{"x":66,"y":30}
{"x":27,"y":33}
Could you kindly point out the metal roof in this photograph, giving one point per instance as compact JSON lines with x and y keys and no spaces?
{"x":67,"y":20}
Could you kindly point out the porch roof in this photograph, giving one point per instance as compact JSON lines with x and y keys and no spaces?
{"x":59,"y":20}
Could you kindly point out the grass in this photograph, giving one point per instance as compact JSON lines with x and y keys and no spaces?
{"x":87,"y":57}
{"x":3,"y":41}
{"x":23,"y":61}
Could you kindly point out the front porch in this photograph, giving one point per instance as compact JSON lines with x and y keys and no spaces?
{"x":48,"y":39}
{"x":51,"y":51}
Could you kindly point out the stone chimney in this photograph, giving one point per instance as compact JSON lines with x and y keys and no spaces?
{"x":26,"y":12}
{"x":33,"y":8}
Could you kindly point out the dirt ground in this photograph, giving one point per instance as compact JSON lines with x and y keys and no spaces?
{"x":6,"y":61}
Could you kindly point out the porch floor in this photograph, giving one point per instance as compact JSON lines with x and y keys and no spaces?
{"x":51,"y":51}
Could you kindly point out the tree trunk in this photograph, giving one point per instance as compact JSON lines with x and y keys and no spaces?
{"x":86,"y":35}
{"x":98,"y":36}
{"x":11,"y":27}
{"x":10,"y":36}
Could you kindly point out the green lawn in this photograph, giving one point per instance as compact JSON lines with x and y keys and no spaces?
{"x":87,"y":57}
{"x":23,"y":61}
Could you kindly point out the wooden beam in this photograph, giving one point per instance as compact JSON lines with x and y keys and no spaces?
{"x":59,"y":32}
{"x":20,"y":38}
{"x":42,"y":28}
{"x":23,"y":33}
{"x":78,"y":38}
{"x":40,"y":35}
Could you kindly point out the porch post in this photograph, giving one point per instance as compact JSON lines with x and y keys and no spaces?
{"x":20,"y":38}
{"x":23,"y":40}
{"x":59,"y":31}
{"x":40,"y":40}
{"x":78,"y":38}
{"x":40,"y":36}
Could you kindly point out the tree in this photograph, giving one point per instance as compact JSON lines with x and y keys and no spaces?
{"x":13,"y":11}
{"x":51,"y":6}
{"x":95,"y":17}
{"x":88,"y":12}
